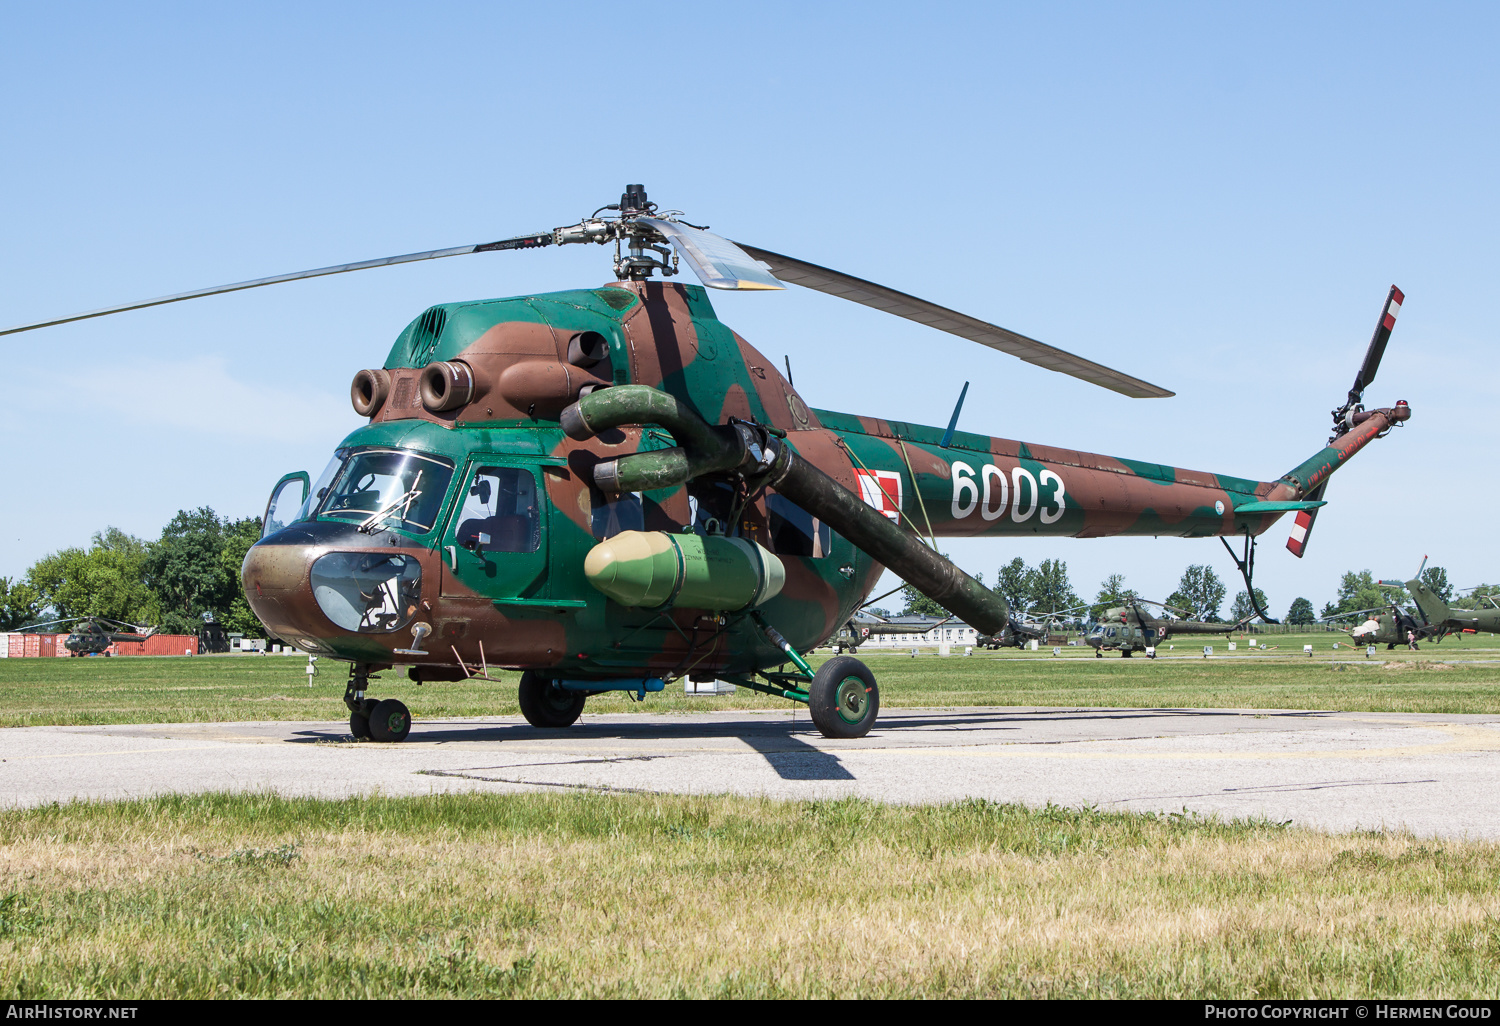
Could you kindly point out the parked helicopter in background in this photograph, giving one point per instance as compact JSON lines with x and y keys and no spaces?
{"x":1433,"y":619}
{"x":1020,"y":631}
{"x":1128,"y":630}
{"x":862,"y":626}
{"x":608,"y":489}
{"x":1439,"y":614}
{"x":92,"y":635}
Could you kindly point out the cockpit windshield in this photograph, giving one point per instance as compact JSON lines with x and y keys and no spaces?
{"x":383,"y":488}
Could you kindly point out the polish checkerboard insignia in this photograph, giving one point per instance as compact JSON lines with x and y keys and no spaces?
{"x":882,"y":490}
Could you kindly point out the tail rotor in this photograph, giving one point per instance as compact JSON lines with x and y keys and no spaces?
{"x":1351,"y":414}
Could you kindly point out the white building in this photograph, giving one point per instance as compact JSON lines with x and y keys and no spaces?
{"x":951,"y":632}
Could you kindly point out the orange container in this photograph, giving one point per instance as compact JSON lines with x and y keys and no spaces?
{"x":159,"y":645}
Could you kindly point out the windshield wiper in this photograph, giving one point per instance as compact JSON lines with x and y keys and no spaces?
{"x":404,"y":503}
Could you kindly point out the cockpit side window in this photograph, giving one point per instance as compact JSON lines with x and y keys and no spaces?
{"x":499,"y":512}
{"x":320,"y":486}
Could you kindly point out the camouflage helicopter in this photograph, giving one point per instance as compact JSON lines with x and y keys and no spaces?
{"x":1129,"y":630}
{"x":93,"y":635}
{"x":1433,"y":621}
{"x":1396,"y":627}
{"x":862,"y":626}
{"x":608,"y":489}
{"x":1020,"y":630}
{"x":1448,"y":620}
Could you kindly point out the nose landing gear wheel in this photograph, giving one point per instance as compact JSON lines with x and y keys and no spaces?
{"x":546,"y":705}
{"x":389,"y":721}
{"x":843,"y":698}
{"x":359,"y":725}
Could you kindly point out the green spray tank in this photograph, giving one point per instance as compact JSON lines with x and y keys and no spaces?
{"x":652,"y":569}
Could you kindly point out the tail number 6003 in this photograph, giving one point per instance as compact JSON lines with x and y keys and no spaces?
{"x":989,"y":492}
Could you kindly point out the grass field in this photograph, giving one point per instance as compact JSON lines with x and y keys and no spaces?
{"x":638,"y":895}
{"x":1457,"y":677}
{"x":630,"y":895}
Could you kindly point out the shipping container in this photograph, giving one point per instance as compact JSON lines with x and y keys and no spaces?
{"x":158,"y":645}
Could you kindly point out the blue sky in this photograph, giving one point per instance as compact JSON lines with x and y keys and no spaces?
{"x":1211,"y":197}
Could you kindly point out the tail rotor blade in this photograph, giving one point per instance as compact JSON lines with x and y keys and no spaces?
{"x":1388,"y":313}
{"x":1303,"y":525}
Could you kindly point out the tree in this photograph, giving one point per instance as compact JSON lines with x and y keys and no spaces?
{"x":1357,"y":591}
{"x":1050,"y":589}
{"x":1199,"y":593}
{"x":1112,"y":592}
{"x":19,"y":604}
{"x":106,"y":580}
{"x":238,"y":537}
{"x":1478,"y":597}
{"x":1243,"y":610}
{"x":194,"y":568}
{"x":1013,"y":583}
{"x":1436,"y":579}
{"x":1301,"y":611}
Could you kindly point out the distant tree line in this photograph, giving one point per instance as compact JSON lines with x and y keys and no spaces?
{"x":1199,"y":595}
{"x":192,"y":569}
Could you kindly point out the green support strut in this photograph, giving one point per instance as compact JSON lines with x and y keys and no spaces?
{"x":783,"y":644}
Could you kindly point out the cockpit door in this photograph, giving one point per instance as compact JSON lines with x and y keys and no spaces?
{"x":286,"y":499}
{"x":495,"y":544}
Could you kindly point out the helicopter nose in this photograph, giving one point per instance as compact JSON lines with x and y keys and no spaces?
{"x":275,"y":578}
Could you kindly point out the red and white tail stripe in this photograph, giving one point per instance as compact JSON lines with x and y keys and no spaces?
{"x":1300,"y":528}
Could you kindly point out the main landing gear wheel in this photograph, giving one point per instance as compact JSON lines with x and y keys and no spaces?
{"x":389,"y":721}
{"x":546,"y":705}
{"x":843,"y":698}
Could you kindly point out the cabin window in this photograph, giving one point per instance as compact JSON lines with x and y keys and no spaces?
{"x":795,"y":532}
{"x":710,"y":504}
{"x":499,"y":512}
{"x":611,"y":515}
{"x":389,"y":488}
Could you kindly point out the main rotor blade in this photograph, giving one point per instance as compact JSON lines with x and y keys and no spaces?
{"x":717,"y":262}
{"x":879,"y":297}
{"x":1366,"y":375}
{"x":519,"y":242}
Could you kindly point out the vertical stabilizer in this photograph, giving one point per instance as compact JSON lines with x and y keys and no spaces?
{"x":1432,"y":607}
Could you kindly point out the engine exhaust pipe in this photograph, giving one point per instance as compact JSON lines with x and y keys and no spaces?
{"x":753,"y":451}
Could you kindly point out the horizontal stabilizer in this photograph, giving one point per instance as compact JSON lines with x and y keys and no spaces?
{"x":1279,"y":507}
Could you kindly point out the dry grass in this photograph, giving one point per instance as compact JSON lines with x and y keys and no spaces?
{"x":628,"y":895}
